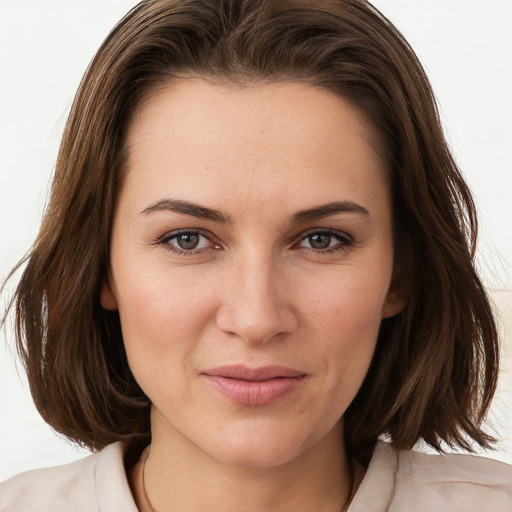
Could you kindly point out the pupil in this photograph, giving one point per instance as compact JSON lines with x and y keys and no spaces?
{"x":320,"y":241}
{"x":188,"y":241}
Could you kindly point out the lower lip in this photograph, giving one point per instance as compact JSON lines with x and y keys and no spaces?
{"x":254,"y":393}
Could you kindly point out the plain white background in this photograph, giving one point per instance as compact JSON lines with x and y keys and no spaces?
{"x":45,"y":47}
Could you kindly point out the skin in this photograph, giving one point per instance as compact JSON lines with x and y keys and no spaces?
{"x":254,"y":291}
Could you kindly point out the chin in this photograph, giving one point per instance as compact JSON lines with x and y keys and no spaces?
{"x":258,"y":447}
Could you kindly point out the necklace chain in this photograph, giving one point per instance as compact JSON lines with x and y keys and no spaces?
{"x":146,"y":497}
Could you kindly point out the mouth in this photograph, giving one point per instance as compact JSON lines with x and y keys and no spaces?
{"x":253,"y":386}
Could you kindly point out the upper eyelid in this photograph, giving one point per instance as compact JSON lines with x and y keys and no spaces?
{"x":172,"y":234}
{"x":310,"y":232}
{"x":296,"y":239}
{"x":166,"y":240}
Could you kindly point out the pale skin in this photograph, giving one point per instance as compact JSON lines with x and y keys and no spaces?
{"x":291,"y":264}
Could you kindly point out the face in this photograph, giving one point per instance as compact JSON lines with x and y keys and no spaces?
{"x":251,"y":265}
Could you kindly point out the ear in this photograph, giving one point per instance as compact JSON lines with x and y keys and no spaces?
{"x":393,"y":305}
{"x":395,"y":299}
{"x":107,"y":297}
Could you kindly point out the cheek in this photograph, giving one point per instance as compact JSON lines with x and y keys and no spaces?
{"x":163,"y":319}
{"x":346,"y":303}
{"x":160,"y":311}
{"x":344,"y":319}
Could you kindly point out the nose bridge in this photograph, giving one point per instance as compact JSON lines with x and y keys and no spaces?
{"x":256,"y":305}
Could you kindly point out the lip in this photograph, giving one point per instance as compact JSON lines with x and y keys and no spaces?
{"x":253,"y":386}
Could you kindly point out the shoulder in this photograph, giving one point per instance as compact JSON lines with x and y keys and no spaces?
{"x":451,"y":482}
{"x":411,"y":481}
{"x":95,"y":483}
{"x":52,"y":488}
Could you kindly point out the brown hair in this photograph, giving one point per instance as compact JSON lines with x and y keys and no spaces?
{"x":434,"y":371}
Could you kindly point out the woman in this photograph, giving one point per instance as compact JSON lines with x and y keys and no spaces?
{"x":256,"y":261}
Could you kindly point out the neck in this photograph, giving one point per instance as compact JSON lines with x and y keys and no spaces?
{"x":179,"y":476}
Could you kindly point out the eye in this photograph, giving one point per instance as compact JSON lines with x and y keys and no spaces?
{"x":325,"y":241}
{"x":187,"y":241}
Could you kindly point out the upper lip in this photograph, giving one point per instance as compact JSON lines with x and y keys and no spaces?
{"x":242,"y":372}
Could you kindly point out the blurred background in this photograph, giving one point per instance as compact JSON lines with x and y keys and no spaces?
{"x":45,"y":48}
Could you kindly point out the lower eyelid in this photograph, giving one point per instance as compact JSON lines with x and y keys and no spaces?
{"x":342,"y":238}
{"x":166,"y":240}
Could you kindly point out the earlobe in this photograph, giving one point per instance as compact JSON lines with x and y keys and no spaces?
{"x":107,"y":297}
{"x":395,"y":303}
{"x":396,"y":298}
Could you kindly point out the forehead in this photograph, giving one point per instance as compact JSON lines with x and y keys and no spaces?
{"x":218,"y":140}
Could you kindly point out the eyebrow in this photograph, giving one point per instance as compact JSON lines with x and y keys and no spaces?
{"x":330,"y":209}
{"x":187,"y":208}
{"x":205,"y":213}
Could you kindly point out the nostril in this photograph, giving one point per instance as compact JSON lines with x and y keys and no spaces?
{"x":255,"y":327}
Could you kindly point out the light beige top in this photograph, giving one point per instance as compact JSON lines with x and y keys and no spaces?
{"x":396,"y":481}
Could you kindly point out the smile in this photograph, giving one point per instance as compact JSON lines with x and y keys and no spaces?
{"x":254,"y":386}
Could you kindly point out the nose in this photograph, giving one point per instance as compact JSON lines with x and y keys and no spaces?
{"x":257,"y":304}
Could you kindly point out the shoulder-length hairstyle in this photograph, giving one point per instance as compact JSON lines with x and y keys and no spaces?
{"x":434,"y":371}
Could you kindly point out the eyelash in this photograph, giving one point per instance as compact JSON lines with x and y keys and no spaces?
{"x":344,"y":241}
{"x":173,"y":235}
